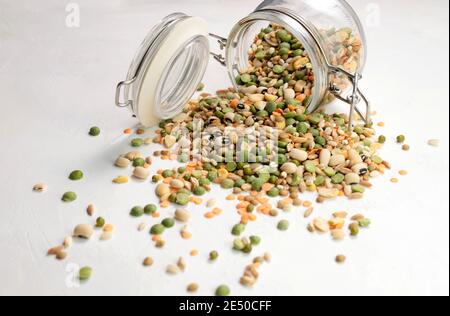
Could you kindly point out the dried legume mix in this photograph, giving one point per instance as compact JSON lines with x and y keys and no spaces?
{"x":260,"y":144}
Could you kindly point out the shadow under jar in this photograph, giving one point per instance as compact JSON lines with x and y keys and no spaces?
{"x":171,"y":62}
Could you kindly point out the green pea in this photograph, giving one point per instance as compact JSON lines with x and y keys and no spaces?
{"x":156,"y":178}
{"x":278,"y":69}
{"x":255,"y":240}
{"x":283,"y":225}
{"x":138,"y":162}
{"x":358,"y":188}
{"x":271,"y":106}
{"x":85,"y":273}
{"x":157,"y":229}
{"x":182,"y":198}
{"x":137,"y":211}
{"x":284,"y":36}
{"x":274,"y":192}
{"x":246,"y":78}
{"x":239,"y":183}
{"x":338,"y":178}
{"x":223,"y":290}
{"x":302,"y":128}
{"x":212,"y":175}
{"x":150,"y":209}
{"x":377,"y":159}
{"x":168,"y":222}
{"x":296,"y":180}
{"x":213,"y":255}
{"x":298,"y":52}
{"x":364,"y":222}
{"x":204,"y":181}
{"x":320,"y":140}
{"x":76,"y":175}
{"x":167,"y":173}
{"x":315,"y":118}
{"x":281,"y":159}
{"x":382,"y":139}
{"x":260,"y":55}
{"x":285,"y":45}
{"x":247,"y":248}
{"x":94,"y":131}
{"x":283,"y":51}
{"x":257,"y":184}
{"x":238,"y":244}
{"x":69,"y":197}
{"x":137,"y":142}
{"x":238,"y":229}
{"x":329,"y":171}
{"x":100,"y":222}
{"x":401,"y":139}
{"x":320,"y":180}
{"x":231,"y":166}
{"x":199,"y":191}
{"x":197,"y":174}
{"x":262,"y":114}
{"x":227,"y":184}
{"x":310,"y":166}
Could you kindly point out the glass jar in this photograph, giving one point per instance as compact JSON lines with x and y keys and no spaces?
{"x":172,"y":60}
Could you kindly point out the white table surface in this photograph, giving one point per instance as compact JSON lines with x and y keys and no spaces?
{"x":56,"y":82}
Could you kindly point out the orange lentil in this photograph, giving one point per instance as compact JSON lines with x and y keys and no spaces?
{"x":128,"y":131}
{"x":307,"y":203}
{"x":230,"y":197}
{"x":234,"y":103}
{"x":186,"y":234}
{"x":156,"y":238}
{"x":267,"y":186}
{"x":381,"y":124}
{"x":217,"y":211}
{"x":209,"y":215}
{"x":394,"y":180}
{"x":165,"y":204}
{"x":243,"y":204}
{"x":194,"y":252}
{"x":197,"y":200}
{"x":108,"y":228}
{"x":252,"y":217}
{"x":241,"y":197}
{"x":156,"y":215}
{"x":167,"y":180}
{"x":140,"y":131}
{"x":403,"y":172}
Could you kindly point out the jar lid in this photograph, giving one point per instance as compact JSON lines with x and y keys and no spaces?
{"x":166,"y":70}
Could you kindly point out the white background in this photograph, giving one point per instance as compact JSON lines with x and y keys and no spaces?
{"x":56,"y":82}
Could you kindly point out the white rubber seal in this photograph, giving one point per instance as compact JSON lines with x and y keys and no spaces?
{"x":182,"y":32}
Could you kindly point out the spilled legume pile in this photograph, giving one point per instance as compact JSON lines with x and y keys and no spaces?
{"x":261,"y":145}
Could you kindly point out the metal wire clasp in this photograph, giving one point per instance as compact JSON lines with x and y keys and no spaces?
{"x":222,"y":44}
{"x":354,"y":98}
{"x":123,"y":86}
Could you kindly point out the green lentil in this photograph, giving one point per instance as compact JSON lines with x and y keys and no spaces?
{"x":319,"y":181}
{"x":167,"y":173}
{"x":94,"y":131}
{"x":69,"y":197}
{"x":365,"y":222}
{"x":329,"y":171}
{"x":257,"y":184}
{"x":85,"y":273}
{"x":255,"y":240}
{"x":213,"y":255}
{"x":358,"y":188}
{"x":150,"y":209}
{"x":182,"y":198}
{"x":76,"y":175}
{"x":338,"y":178}
{"x":138,"y":162}
{"x":354,"y":229}
{"x":100,"y":222}
{"x":283,"y":225}
{"x":401,"y":139}
{"x":238,"y":229}
{"x":238,"y":244}
{"x":204,"y":181}
{"x":310,"y":166}
{"x":223,"y":290}
{"x":137,"y":211}
{"x":227,"y":184}
{"x":247,"y":248}
{"x":278,"y":69}
{"x":156,"y":178}
{"x":157,"y":229}
{"x":199,"y":191}
{"x":231,"y":166}
{"x":137,"y":142}
{"x":274,"y":192}
{"x":382,"y":139}
{"x":168,"y":222}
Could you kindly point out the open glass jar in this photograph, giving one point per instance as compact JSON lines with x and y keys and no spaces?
{"x":172,"y":60}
